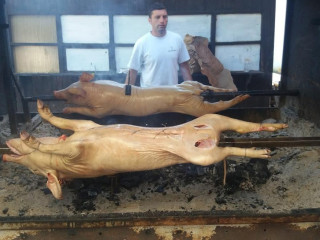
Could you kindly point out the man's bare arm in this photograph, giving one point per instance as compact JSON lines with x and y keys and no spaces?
{"x":185,"y":71}
{"x":133,"y":77}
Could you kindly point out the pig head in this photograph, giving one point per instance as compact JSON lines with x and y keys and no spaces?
{"x":94,"y":150}
{"x":102,"y":98}
{"x":202,"y":60}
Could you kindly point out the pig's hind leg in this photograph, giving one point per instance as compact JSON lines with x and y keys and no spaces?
{"x":242,"y":152}
{"x":63,"y":123}
{"x":223,"y":123}
{"x":208,"y":154}
{"x":220,"y":123}
{"x":223,"y":105}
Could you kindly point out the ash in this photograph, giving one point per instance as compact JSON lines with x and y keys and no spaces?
{"x":288,"y":180}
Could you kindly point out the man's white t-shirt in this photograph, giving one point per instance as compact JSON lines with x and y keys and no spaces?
{"x":158,"y":59}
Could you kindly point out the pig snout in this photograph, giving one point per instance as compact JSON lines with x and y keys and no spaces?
{"x":59,"y":94}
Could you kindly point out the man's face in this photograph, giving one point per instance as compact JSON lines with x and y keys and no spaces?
{"x":159,"y":21}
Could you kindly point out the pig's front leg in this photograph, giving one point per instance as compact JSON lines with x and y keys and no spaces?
{"x":63,"y":123}
{"x":88,"y":111}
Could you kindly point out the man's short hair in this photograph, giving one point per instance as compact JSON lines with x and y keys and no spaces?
{"x":155,"y":6}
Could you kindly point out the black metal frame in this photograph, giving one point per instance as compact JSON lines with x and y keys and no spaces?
{"x":5,"y":75}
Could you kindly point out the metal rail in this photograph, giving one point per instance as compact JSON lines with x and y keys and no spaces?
{"x":163,"y":218}
{"x":159,"y":225}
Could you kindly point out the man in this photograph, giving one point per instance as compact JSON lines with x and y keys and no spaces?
{"x":159,"y":53}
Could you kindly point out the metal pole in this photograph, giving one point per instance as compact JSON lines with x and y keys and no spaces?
{"x":5,"y":70}
{"x":206,"y":94}
{"x":250,"y":142}
{"x":270,"y":142}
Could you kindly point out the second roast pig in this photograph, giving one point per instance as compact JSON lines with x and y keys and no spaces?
{"x":101,"y":98}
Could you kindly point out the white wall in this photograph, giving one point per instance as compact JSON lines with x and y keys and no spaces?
{"x":279,"y":33}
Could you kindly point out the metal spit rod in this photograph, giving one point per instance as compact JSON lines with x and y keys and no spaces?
{"x":252,"y":142}
{"x":270,"y":142}
{"x":206,"y":93}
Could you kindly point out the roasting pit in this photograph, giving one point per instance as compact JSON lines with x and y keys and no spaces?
{"x":276,"y":198}
{"x":287,"y":183}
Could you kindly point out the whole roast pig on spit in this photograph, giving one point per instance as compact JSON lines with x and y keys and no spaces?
{"x":101,"y":98}
{"x":94,"y":150}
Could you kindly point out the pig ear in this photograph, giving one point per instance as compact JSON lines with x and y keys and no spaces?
{"x":54,"y":186}
{"x":77,"y":92}
{"x":86,"y":77}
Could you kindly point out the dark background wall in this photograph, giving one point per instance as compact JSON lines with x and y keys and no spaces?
{"x":3,"y":105}
{"x":301,"y":60}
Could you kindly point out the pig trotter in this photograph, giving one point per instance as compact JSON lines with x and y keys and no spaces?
{"x":271,"y":127}
{"x":54,"y":185}
{"x":241,"y":98}
{"x":62,"y":138}
{"x":254,"y":153}
{"x":29,"y":140}
{"x":43,"y":110}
